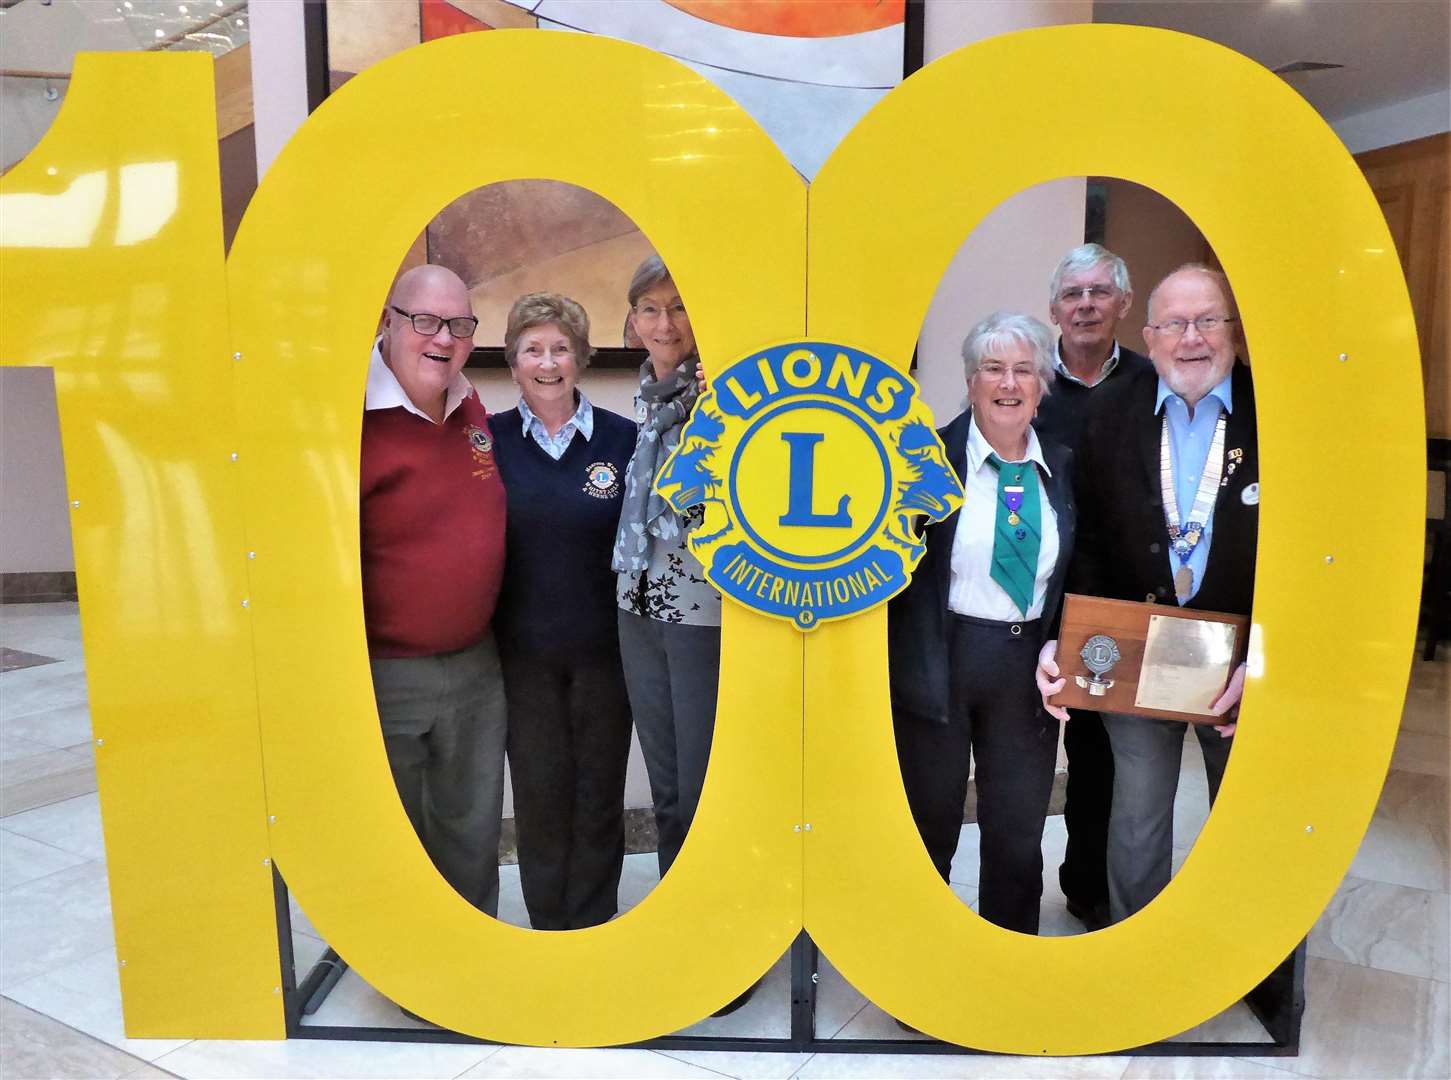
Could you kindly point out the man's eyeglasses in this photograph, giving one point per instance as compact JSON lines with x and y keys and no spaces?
{"x":1091,"y":292}
{"x":460,"y":326}
{"x":1205,"y":324}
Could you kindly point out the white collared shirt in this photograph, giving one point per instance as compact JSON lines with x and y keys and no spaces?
{"x":1103,"y":372}
{"x":555,"y":445}
{"x":386,"y":392}
{"x":972,"y":590}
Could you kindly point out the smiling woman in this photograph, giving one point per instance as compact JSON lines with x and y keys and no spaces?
{"x":562,"y":458}
{"x":965,"y":635}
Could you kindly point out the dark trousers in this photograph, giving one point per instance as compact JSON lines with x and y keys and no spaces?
{"x":1148,"y":755}
{"x":443,"y":727}
{"x":569,"y":742}
{"x":995,"y":716}
{"x":673,"y":673}
{"x":1089,"y":796}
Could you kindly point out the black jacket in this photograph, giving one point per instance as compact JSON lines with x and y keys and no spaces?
{"x":917,"y":618}
{"x":1122,"y":538}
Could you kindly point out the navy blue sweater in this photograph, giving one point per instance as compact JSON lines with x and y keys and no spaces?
{"x":559,"y":590}
{"x":1063,"y":414}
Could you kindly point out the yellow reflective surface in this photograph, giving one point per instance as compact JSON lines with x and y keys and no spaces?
{"x":309,"y":272}
{"x":111,"y":271}
{"x":1316,"y":276}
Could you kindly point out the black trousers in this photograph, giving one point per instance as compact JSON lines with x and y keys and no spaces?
{"x":569,"y":742}
{"x":997,"y":717}
{"x":1089,"y":796}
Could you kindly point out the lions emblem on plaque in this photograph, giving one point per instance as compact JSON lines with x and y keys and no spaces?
{"x":1100,"y":654}
{"x":814,"y":462}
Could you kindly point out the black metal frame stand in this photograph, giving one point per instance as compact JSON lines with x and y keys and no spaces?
{"x":1278,"y":1003}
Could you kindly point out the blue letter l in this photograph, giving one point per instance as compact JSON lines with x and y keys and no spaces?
{"x":803,"y":471}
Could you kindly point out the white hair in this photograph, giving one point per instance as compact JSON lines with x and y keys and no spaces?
{"x":1005,"y":326}
{"x":1086,"y":257}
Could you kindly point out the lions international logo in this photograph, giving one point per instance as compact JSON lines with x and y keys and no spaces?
{"x":813,"y":462}
{"x":602,"y":480}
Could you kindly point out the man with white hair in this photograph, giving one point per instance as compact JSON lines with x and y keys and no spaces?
{"x":1168,"y":497}
{"x":432,"y":516}
{"x":1089,"y":294}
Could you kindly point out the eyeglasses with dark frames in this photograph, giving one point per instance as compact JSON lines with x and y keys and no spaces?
{"x":460,"y":326}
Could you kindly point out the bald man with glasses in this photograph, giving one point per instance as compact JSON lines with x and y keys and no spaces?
{"x":432,"y":516}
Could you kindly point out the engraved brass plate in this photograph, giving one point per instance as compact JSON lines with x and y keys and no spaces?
{"x":1187,"y":663}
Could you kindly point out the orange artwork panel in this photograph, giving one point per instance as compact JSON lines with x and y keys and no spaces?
{"x":439,"y":19}
{"x":791,"y":18}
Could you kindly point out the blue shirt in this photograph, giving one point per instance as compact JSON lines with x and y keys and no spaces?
{"x":1189,"y":440}
{"x":555,"y":445}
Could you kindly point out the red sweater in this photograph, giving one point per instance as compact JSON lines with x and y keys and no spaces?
{"x":432,"y":510}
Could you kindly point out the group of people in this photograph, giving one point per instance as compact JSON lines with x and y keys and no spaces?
{"x":527,"y":592}
{"x":1087,"y":468}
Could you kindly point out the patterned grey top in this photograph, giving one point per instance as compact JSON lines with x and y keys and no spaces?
{"x":672,"y":588}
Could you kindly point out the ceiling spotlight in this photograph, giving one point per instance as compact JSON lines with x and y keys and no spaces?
{"x":126,"y":4}
{"x":160,"y":33}
{"x":181,"y":8}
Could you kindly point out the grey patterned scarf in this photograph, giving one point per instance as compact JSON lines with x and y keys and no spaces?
{"x":644,"y":514}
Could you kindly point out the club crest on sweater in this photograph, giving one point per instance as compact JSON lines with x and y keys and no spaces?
{"x":482,"y":450}
{"x":602,"y":480}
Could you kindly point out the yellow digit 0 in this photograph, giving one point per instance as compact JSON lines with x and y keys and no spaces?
{"x":1316,"y":276}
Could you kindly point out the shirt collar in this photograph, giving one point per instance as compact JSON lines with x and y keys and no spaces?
{"x":583,"y":418}
{"x":386,"y":392}
{"x":1222,"y":391}
{"x":1103,"y":373}
{"x":978,"y":449}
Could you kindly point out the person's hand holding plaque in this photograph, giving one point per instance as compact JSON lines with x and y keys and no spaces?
{"x":1228,"y":703}
{"x":1048,"y":679}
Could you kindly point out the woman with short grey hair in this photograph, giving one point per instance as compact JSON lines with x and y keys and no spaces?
{"x":963,"y":638}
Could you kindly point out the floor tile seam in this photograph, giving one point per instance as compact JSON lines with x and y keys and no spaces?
{"x":694,"y":1064}
{"x":1408,"y":888}
{"x":6,"y":716}
{"x":141,"y":1062}
{"x":43,"y":843}
{"x":1434,"y":982}
{"x":488,"y":1053}
{"x":42,"y":806}
{"x":82,"y":763}
{"x":1279,"y":1068}
{"x":11,"y":988}
{"x":797,"y":1071}
{"x":85,"y":859}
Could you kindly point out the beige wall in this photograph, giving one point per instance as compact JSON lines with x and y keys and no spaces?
{"x":1006,"y":262}
{"x":35,"y":526}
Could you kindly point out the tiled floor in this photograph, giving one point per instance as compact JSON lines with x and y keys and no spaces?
{"x":1379,"y":1004}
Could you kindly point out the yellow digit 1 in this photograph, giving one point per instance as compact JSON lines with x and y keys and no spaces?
{"x":111,"y":272}
{"x":1328,"y":317}
{"x":308,"y":273}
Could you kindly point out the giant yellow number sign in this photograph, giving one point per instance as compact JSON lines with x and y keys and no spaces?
{"x":198,"y":570}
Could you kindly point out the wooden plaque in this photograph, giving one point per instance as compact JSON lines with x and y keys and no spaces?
{"x":1190,"y":657}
